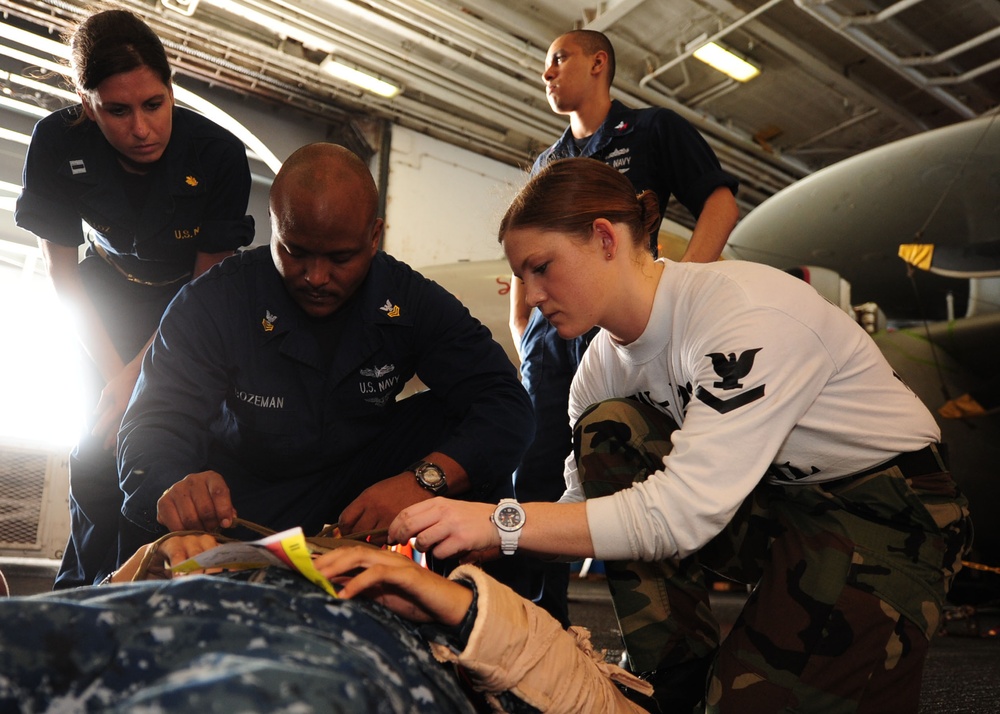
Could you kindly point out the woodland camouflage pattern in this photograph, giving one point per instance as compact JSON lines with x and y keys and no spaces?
{"x":851,"y":577}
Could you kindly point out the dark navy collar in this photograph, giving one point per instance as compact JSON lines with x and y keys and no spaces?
{"x":620,"y":121}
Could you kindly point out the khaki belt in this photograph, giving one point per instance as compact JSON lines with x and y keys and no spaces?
{"x":127,"y":275}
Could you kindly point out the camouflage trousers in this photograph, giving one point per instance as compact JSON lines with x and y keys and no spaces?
{"x":850,"y":579}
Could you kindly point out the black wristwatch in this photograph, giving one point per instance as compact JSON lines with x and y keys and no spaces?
{"x":430,"y":476}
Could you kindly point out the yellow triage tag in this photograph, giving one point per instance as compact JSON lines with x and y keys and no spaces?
{"x":287,"y":549}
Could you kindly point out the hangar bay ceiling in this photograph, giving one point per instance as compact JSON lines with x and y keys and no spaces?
{"x":837,"y":76}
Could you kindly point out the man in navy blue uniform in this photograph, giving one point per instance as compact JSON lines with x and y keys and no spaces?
{"x":657,"y":150}
{"x":271,"y":388}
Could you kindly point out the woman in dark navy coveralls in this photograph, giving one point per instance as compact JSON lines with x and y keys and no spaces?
{"x":163,"y":194}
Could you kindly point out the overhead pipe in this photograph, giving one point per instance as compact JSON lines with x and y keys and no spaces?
{"x":486,"y":104}
{"x":506,"y":14}
{"x":724,"y":87}
{"x":528,"y":115}
{"x":266,"y":84}
{"x":965,"y":76}
{"x":833,"y":130}
{"x":952,"y":52}
{"x":833,"y":20}
{"x":612,"y":13}
{"x":294,"y":11}
{"x":399,"y":108}
{"x":881,"y":16}
{"x":488,"y":42}
{"x":489,"y":105}
{"x":718,"y":35}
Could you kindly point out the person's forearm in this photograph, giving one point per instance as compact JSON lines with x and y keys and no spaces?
{"x":204,"y":261}
{"x":717,"y":219}
{"x":519,"y":311}
{"x":63,"y":270}
{"x":455,"y":475}
{"x":556,"y":529}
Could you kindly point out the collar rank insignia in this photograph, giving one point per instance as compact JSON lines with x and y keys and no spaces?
{"x":76,"y":166}
{"x":390,"y":309}
{"x":268,"y":322}
{"x":191,"y":181}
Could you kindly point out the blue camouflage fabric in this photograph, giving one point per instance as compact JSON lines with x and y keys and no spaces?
{"x":256,"y":641}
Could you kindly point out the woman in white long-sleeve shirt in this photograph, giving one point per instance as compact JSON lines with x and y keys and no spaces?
{"x":727,"y":416}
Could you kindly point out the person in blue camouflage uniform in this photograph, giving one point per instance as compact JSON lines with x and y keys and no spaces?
{"x":256,"y":641}
{"x":268,"y":640}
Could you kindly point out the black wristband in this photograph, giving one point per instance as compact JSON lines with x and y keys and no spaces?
{"x":455,"y":636}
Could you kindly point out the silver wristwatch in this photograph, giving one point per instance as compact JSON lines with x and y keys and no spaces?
{"x":431,"y":477}
{"x":508,"y":517}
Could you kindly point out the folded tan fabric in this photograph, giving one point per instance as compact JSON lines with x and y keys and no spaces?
{"x":516,"y":646}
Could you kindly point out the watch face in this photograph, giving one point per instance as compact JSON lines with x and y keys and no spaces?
{"x":431,"y":476}
{"x":509,"y":518}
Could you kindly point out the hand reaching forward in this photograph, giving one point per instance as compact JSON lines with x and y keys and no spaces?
{"x":397,"y":582}
{"x":197,"y":502}
{"x":169,"y":552}
{"x":446,"y":527}
{"x":380,"y":503}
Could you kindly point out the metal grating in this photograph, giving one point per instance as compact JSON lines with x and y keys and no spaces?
{"x":22,"y":485}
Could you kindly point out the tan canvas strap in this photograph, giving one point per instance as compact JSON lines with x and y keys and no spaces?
{"x":324,"y":542}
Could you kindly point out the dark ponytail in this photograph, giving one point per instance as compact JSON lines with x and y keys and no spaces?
{"x":567,"y":196}
{"x":649,"y":211}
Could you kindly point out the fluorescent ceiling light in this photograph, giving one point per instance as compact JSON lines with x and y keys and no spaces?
{"x":726,"y":62}
{"x":274,"y":24}
{"x":70,"y":97}
{"x":358,"y":78}
{"x":35,"y":42}
{"x":24,"y":107}
{"x":14,"y":136}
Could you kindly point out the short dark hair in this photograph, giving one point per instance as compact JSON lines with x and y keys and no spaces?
{"x":592,"y":42}
{"x":111,"y":42}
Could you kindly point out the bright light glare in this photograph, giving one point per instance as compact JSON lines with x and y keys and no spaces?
{"x":30,"y":83}
{"x":275,"y":25}
{"x":23,"y":107}
{"x":43,"y":401}
{"x":726,"y":62}
{"x":358,"y":78}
